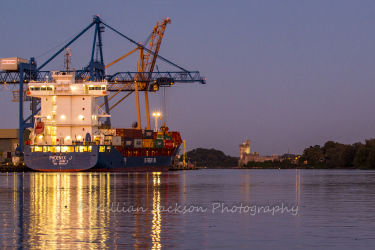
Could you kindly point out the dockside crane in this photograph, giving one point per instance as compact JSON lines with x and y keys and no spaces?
{"x":143,"y":80}
{"x":146,"y":63}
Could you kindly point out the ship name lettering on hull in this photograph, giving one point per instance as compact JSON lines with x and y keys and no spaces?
{"x":60,"y":160}
{"x":150,"y":160}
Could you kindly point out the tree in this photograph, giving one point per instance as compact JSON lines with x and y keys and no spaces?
{"x":328,"y":145}
{"x":360,"y":160}
{"x":370,"y":143}
{"x":313,"y":154}
{"x":348,"y":155}
{"x":211,"y":158}
{"x":333,"y":156}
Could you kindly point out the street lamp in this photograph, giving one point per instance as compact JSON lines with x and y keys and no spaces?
{"x":156,"y":114}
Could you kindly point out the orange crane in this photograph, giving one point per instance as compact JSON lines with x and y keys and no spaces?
{"x":146,"y":64}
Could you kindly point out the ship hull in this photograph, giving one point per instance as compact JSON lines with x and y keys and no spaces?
{"x":109,"y":161}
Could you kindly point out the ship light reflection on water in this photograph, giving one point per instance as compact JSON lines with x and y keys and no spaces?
{"x":88,"y":210}
{"x":156,"y":221}
{"x":60,"y":204}
{"x":79,"y":210}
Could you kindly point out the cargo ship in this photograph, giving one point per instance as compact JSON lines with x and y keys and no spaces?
{"x":69,"y":136}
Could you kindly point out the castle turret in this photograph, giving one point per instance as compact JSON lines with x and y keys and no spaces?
{"x":244,"y":150}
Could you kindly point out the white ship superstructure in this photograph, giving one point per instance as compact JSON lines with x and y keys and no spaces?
{"x":69,"y":110}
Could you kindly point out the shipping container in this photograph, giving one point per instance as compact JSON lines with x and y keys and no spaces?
{"x":154,"y":135}
{"x":161,"y":137}
{"x":128,"y":133}
{"x":137,"y":134}
{"x":168,"y":143}
{"x":147,"y":134}
{"x":158,"y":143}
{"x":11,"y":64}
{"x":120,"y":132}
{"x":108,"y":139}
{"x":175,"y":136}
{"x":168,"y":133}
{"x":116,"y":140}
{"x":128,"y":143}
{"x":107,"y":131}
{"x":148,"y":143}
{"x":167,"y":137}
{"x":137,"y":143}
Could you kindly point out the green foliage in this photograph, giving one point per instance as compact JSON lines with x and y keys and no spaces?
{"x":360,"y":160}
{"x":211,"y":158}
{"x":285,"y":164}
{"x":348,"y":155}
{"x":338,"y":155}
{"x":331,"y":155}
{"x":313,"y":155}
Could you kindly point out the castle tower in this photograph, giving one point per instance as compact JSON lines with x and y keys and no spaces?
{"x":244,"y":150}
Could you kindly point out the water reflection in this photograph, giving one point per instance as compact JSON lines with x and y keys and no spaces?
{"x":156,"y":221}
{"x":70,"y":210}
{"x":122,"y":211}
{"x":63,"y":203}
{"x":298,"y":189}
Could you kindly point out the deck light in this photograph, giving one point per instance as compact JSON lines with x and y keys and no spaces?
{"x":156,"y":115}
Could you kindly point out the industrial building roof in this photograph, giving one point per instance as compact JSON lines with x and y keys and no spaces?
{"x":9,"y":133}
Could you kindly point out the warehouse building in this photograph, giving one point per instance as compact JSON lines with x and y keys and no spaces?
{"x":8,"y":143}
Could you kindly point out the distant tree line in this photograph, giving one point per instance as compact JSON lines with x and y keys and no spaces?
{"x":211,"y":158}
{"x":338,"y":155}
{"x":282,"y":164}
{"x":331,"y":155}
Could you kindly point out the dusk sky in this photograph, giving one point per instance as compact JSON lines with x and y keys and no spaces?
{"x":284,"y":74}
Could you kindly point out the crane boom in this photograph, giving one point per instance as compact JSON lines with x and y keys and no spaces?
{"x":155,"y":43}
{"x":146,"y":63}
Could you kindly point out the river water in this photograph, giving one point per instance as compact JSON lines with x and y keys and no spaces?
{"x":203,"y":209}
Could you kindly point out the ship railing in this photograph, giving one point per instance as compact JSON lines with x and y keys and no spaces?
{"x":61,"y":148}
{"x":76,"y":81}
{"x":88,"y":82}
{"x":68,"y":90}
{"x":46,"y":82}
{"x":62,"y":73}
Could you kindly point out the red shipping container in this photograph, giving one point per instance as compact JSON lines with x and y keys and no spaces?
{"x":137,"y":133}
{"x":120,"y":132}
{"x":174,"y":136}
{"x":168,"y":143}
{"x":128,"y":134}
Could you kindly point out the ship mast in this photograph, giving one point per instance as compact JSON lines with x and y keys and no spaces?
{"x":67,"y":59}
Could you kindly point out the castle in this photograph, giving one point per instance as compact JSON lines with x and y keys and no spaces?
{"x":246,"y":156}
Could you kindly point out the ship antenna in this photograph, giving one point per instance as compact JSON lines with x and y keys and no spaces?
{"x":67,"y":59}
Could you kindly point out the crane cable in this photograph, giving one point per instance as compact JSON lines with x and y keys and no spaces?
{"x":164,"y":104}
{"x":145,"y":42}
